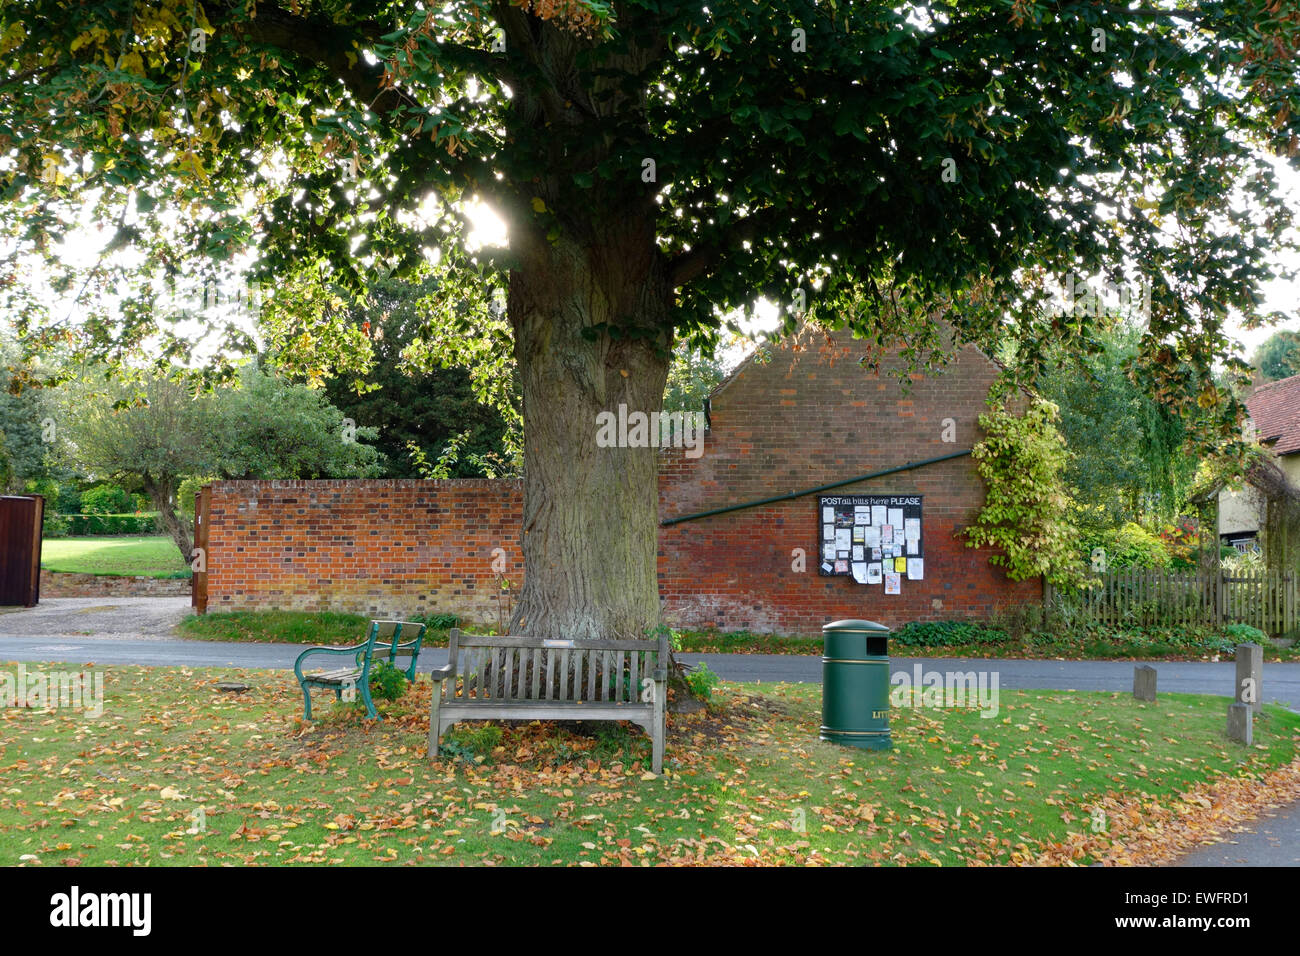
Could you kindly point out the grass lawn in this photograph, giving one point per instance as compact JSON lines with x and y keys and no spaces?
{"x":154,"y":556}
{"x":745,"y":782}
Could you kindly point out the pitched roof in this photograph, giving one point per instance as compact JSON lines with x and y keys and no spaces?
{"x":1275,"y":410}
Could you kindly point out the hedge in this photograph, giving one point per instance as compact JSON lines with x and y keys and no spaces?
{"x":64,"y":526}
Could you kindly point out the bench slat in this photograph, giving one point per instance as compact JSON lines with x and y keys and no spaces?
{"x":634,"y":686}
{"x":540,"y":710}
{"x":332,"y":677}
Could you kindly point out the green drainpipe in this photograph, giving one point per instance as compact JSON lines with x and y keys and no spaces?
{"x":812,"y":491}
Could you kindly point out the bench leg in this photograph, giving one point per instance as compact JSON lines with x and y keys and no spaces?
{"x":306,"y":705}
{"x":434,"y":733}
{"x":657,"y":735}
{"x":370,"y":704}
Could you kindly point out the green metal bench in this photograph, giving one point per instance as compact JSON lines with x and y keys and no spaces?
{"x":384,"y":642}
{"x":529,"y":678}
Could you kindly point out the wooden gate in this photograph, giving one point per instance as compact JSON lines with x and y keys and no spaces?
{"x":199,"y":560}
{"x":21,"y":522}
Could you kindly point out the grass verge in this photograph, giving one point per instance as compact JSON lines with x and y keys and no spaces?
{"x":175,"y":772}
{"x":311,"y":627}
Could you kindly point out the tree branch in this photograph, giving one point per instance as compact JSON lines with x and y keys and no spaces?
{"x":702,"y":259}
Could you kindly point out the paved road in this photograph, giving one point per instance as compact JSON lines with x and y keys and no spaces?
{"x":139,"y":631}
{"x":1271,"y":840}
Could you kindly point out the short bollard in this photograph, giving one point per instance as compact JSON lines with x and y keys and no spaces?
{"x":1241,"y":724}
{"x":1144,"y":682}
{"x":1250,"y":676}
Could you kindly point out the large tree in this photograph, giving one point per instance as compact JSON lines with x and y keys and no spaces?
{"x":876,"y":163}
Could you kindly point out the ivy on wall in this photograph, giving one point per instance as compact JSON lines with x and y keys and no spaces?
{"x":1025,"y":516}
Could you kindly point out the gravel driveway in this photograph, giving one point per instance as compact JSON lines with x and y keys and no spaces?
{"x":148,"y":618}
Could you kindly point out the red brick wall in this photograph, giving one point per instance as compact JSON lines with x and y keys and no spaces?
{"x":809,"y":416}
{"x":371,"y":547}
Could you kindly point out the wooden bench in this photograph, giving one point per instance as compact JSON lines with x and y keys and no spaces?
{"x":383,"y":641}
{"x":531,"y":678}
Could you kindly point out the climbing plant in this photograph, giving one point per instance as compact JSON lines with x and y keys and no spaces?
{"x":1022,"y":460}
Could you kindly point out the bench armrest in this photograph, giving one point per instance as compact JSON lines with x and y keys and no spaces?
{"x":297,"y":664}
{"x":659,"y":674}
{"x":441,"y":673}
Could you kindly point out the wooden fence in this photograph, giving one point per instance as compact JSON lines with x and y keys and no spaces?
{"x":1265,"y":599}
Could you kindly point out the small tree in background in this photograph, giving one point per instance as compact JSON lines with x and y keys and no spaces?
{"x":150,"y":440}
{"x":156,"y":436}
{"x":270,"y":428}
{"x":426,"y":403}
{"x":1279,"y":356}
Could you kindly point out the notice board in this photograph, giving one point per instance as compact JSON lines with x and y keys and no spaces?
{"x":874,"y":539}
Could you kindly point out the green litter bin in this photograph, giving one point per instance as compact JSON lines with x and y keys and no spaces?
{"x":855,"y":684}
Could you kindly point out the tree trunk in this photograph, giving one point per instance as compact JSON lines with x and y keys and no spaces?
{"x":590,"y":530}
{"x":162,"y":493}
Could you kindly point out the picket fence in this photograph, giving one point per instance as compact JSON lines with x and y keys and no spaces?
{"x":1265,"y":599}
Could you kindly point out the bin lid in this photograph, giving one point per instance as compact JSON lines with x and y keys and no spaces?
{"x":856,"y":626}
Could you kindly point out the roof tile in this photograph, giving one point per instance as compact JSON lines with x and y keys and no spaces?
{"x":1275,"y":410}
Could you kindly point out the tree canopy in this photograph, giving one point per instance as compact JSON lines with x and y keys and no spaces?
{"x":657,"y":165}
{"x":768,"y":147}
{"x":412,"y":400}
{"x":1279,"y":356}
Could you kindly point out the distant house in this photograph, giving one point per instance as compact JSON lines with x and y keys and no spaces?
{"x":1275,"y":421}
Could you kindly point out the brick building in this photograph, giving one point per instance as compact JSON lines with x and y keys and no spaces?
{"x":808,"y":416}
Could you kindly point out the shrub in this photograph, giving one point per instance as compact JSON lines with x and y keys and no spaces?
{"x":89,"y":524}
{"x":1181,"y":541}
{"x":943,"y":633}
{"x":1128,"y":546}
{"x":674,"y":638}
{"x":1234,"y":561}
{"x":701,"y":681}
{"x":387,"y":681}
{"x":439,"y":622}
{"x":1022,"y":460}
{"x":1245,"y":634}
{"x":107,"y":500}
{"x":56,"y":526}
